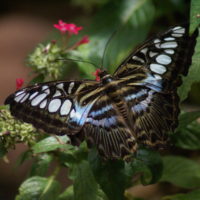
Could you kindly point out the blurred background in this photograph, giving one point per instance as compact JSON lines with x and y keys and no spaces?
{"x":24,"y":24}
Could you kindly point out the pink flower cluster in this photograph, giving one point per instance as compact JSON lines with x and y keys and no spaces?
{"x":19,"y":83}
{"x":71,"y":29}
{"x":64,"y":28}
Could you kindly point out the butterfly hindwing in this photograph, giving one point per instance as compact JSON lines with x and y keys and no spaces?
{"x":58,"y":107}
{"x":106,"y":129}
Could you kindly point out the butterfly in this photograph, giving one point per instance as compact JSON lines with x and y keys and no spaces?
{"x":137,"y":105}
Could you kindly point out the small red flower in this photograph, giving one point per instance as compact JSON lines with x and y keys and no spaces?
{"x":73,"y":29}
{"x":61,"y":26}
{"x":19,"y":83}
{"x":96,"y":74}
{"x":84,"y":40}
{"x":70,"y":28}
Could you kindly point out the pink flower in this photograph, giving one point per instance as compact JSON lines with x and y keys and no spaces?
{"x":62,"y":26}
{"x":70,"y":28}
{"x":84,"y":40}
{"x":96,"y":74}
{"x":73,"y":29}
{"x":19,"y":83}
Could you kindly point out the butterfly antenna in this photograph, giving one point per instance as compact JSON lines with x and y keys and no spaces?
{"x":76,"y":60}
{"x":106,"y":47}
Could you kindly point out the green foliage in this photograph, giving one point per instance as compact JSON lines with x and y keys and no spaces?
{"x":13,"y":131}
{"x":92,"y":177}
{"x":51,"y":143}
{"x":187,"y":135}
{"x":39,"y":188}
{"x":181,"y":171}
{"x":193,"y":75}
{"x":129,"y":17}
{"x":194,"y":195}
{"x":45,"y":60}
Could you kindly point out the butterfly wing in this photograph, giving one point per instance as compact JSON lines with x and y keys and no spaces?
{"x":152,"y":74}
{"x":59,"y":107}
{"x":106,"y":129}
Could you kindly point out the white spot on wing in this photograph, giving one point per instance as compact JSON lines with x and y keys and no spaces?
{"x":158,"y":77}
{"x":66,"y":107}
{"x":19,"y":97}
{"x":43,"y":104}
{"x":144,"y":51}
{"x":57,"y":93}
{"x":47,"y":91}
{"x":159,"y":69}
{"x":138,"y":59}
{"x":176,"y":35}
{"x":179,"y":30}
{"x":33,"y":95}
{"x":169,"y":51}
{"x":73,"y":114}
{"x":163,"y":59}
{"x":20,"y":92}
{"x":169,"y":39}
{"x":71,"y":85}
{"x":44,"y":87}
{"x":177,"y":27}
{"x":60,"y":86}
{"x":54,"y":105}
{"x":24,"y":99}
{"x":169,"y":45}
{"x":152,"y":54}
{"x":38,"y":99}
{"x":157,"y":43}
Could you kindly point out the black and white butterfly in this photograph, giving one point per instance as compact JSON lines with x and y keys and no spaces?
{"x":136,"y":105}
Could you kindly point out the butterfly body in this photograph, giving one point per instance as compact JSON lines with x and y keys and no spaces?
{"x":137,"y":105}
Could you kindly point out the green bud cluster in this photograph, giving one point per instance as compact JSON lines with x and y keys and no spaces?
{"x":13,"y":131}
{"x":45,"y":60}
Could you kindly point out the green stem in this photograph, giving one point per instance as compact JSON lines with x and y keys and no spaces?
{"x":51,"y":179}
{"x":65,"y":41}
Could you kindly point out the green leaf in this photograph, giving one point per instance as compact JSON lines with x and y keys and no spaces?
{"x":110,"y":175}
{"x":193,"y":74}
{"x":194,"y":195}
{"x":26,"y":155}
{"x":187,"y":118}
{"x":68,"y":194}
{"x":181,"y":172}
{"x":85,"y":185}
{"x":194,"y":12}
{"x":51,"y":143}
{"x":188,"y":137}
{"x":149,"y":164}
{"x":38,"y":79}
{"x":39,"y":188}
{"x":41,"y":165}
{"x":130,"y":18}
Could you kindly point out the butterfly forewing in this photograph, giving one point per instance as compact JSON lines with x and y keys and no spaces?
{"x":163,"y":57}
{"x":58,"y":107}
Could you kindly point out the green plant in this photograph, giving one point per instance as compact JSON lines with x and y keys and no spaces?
{"x":93,"y":178}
